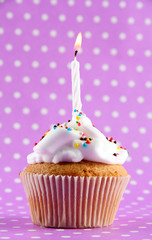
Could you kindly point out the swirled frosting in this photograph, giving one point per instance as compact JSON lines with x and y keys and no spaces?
{"x":77,"y":140}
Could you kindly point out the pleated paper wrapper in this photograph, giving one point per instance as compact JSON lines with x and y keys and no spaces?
{"x":73,"y":202}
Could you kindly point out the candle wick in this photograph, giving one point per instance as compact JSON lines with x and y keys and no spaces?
{"x":76,"y":53}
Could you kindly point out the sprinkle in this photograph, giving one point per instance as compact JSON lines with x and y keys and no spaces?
{"x":79,"y":114}
{"x":128,"y":152}
{"x":111,"y":138}
{"x":54,"y":127}
{"x":90,"y":139}
{"x":35,"y":144}
{"x":77,"y":117}
{"x":58,"y":124}
{"x":85,"y":145}
{"x":76,"y":144}
{"x":69,"y":120}
{"x":48,"y":130}
{"x":115,"y":154}
{"x":125,"y":149}
{"x":61,"y":126}
{"x":115,"y":142}
{"x":88,"y":142}
{"x":79,"y":124}
{"x":118,"y":148}
{"x":42,"y":137}
{"x":75,"y":110}
{"x":121,"y":147}
{"x":83,"y":134}
{"x":69,"y":129}
{"x":66,"y":127}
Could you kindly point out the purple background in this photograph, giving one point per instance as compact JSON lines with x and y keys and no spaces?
{"x":36,"y":48}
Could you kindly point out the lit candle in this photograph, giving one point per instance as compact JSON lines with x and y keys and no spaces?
{"x":76,"y":98}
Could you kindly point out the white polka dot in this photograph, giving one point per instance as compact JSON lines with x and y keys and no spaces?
{"x":123,"y":99}
{"x":105,"y":67}
{"x":87,"y":34}
{"x":139,"y":36}
{"x":147,"y":53}
{"x":146,"y":191}
{"x":132,"y":114}
{"x":147,"y":21}
{"x":0,"y":127}
{"x":70,"y":34}
{"x":140,"y":99}
{"x":44,"y":80}
{"x":97,"y":113}
{"x":96,"y":19}
{"x":35,"y":64}
{"x":8,"y":190}
{"x":150,"y":182}
{"x":142,"y":130}
{"x":130,"y":52}
{"x":53,"y":96}
{"x":1,"y":31}
{"x":139,"y":5}
{"x":17,"y":180}
{"x":107,"y":129}
{"x":125,"y":129}
{"x":19,"y":1}
{"x":35,"y":32}
{"x":88,"y":97}
{"x":122,"y":68}
{"x":131,"y":20}
{"x":96,"y":82}
{"x":17,"y":63}
{"x":61,"y":49}
{"x":17,"y":94}
{"x":26,"y":141}
{"x":35,"y":95}
{"x":114,"y":19}
{"x":96,"y":51}
{"x":87,"y":66}
{"x":131,"y":83}
{"x":26,"y":110}
{"x":16,"y":125}
{"x":133,"y":182}
{"x":113,"y":51}
{"x":61,"y":81}
{"x":146,"y":159}
{"x":36,"y":1}
{"x":1,"y":94}
{"x":114,"y":83}
{"x":71,"y":3}
{"x":18,"y":31}
{"x":79,"y":18}
{"x":1,"y":62}
{"x":105,"y":35}
{"x":9,"y":15}
{"x":122,"y":4}
{"x":140,"y":199}
{"x":115,"y":114}
{"x":106,"y":98}
{"x":53,"y":2}
{"x":7,"y":140}
{"x":135,"y":144}
{"x":105,"y":4}
{"x":52,"y":65}
{"x":44,"y":111}
{"x":8,"y":47}
{"x":149,"y":115}
{"x":26,"y":48}
{"x":26,"y":79}
{"x":122,"y":36}
{"x":7,"y":169}
{"x":16,"y":156}
{"x":7,"y":110}
{"x":69,"y":97}
{"x":44,"y":17}
{"x":19,"y":198}
{"x":88,"y":3}
{"x":35,"y":126}
{"x":27,"y":16}
{"x":62,"y":17}
{"x":44,"y":48}
{"x":62,"y":112}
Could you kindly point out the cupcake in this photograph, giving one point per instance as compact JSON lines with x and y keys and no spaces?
{"x":75,"y":177}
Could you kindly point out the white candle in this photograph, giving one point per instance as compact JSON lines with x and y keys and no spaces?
{"x":76,"y":97}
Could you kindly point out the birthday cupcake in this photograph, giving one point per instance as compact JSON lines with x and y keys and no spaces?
{"x":75,"y":177}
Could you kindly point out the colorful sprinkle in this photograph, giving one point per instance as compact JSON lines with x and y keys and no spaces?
{"x":79,"y":114}
{"x":88,"y":142}
{"x":69,"y":129}
{"x":76,"y":144}
{"x":79,"y":124}
{"x":128,"y":152}
{"x":118,"y":148}
{"x":115,"y":154}
{"x":77,"y":117}
{"x":85,"y":145}
{"x":69,"y":120}
{"x":35,"y":144}
{"x":54,"y":127}
{"x":75,"y":110}
{"x":66,"y":127}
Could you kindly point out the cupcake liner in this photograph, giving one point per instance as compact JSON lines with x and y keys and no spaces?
{"x":73,"y":202}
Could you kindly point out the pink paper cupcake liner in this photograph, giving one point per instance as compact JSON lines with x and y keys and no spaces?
{"x":73,"y":202}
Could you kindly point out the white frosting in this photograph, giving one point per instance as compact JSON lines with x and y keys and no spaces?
{"x":64,"y":143}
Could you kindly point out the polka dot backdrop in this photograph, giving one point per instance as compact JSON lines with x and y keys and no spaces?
{"x":36,"y":49}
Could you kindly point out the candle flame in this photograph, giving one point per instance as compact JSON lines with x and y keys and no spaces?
{"x":78,"y":42}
